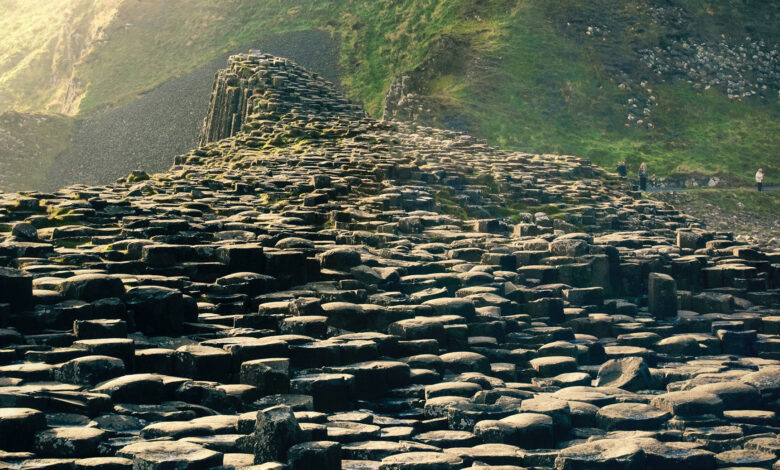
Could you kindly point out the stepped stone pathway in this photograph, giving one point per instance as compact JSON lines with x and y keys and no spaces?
{"x":315,"y":289}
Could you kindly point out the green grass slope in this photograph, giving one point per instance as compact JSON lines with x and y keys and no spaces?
{"x":534,"y":82}
{"x":549,"y":93}
{"x":29,"y":143}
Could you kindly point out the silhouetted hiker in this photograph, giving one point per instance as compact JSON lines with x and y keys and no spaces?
{"x":643,"y":176}
{"x":760,"y":179}
{"x":621,"y":170}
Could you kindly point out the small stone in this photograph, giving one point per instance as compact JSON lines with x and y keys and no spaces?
{"x":103,"y":463}
{"x":745,"y":458}
{"x":270,"y":376}
{"x":134,"y":388}
{"x":525,"y":430}
{"x":91,"y":287}
{"x":553,"y":365}
{"x":90,"y":370}
{"x":25,"y":231}
{"x":689,"y":403}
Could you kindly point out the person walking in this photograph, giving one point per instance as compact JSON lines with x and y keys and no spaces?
{"x":643,"y":177}
{"x":760,"y":179}
{"x":621,"y":170}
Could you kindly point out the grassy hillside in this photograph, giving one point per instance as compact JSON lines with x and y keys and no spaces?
{"x":566,"y":102}
{"x":29,"y":143}
{"x":143,"y":43}
{"x":538,"y":79}
{"x":43,"y":44}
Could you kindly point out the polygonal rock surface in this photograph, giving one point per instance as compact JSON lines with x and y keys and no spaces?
{"x":630,"y":416}
{"x":602,"y":454}
{"x":314,"y":288}
{"x":170,"y":454}
{"x":69,"y":442}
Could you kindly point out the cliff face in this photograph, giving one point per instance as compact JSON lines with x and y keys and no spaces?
{"x":229,"y":105}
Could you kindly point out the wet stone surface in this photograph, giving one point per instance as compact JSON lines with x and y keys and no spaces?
{"x":312,"y":288}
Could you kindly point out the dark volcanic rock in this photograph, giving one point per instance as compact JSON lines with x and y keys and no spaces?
{"x":276,"y":430}
{"x":319,"y":289}
{"x":18,"y":427}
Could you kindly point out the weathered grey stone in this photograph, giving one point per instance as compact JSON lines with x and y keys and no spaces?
{"x":160,"y":455}
{"x":421,"y":461}
{"x":320,"y":454}
{"x":525,"y":430}
{"x":16,"y":289}
{"x":662,"y":295}
{"x":276,"y":430}
{"x":630,"y":373}
{"x":90,"y":287}
{"x":602,"y":454}
{"x":18,"y":426}
{"x":270,"y":376}
{"x":90,"y":370}
{"x":630,"y":417}
{"x":159,"y":310}
{"x":136,"y":388}
{"x":77,"y":441}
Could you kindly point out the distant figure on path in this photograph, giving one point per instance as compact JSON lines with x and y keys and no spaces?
{"x":643,"y":176}
{"x":622,"y":171}
{"x":760,"y":179}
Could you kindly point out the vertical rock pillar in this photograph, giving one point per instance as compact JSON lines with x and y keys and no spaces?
{"x":662,"y":296}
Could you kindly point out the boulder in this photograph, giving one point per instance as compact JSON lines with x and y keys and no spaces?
{"x":628,"y":373}
{"x":276,"y":430}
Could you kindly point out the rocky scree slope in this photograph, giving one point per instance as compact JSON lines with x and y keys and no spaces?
{"x":324,"y":290}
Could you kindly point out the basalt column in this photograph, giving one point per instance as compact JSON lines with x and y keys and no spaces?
{"x":228,"y":106}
